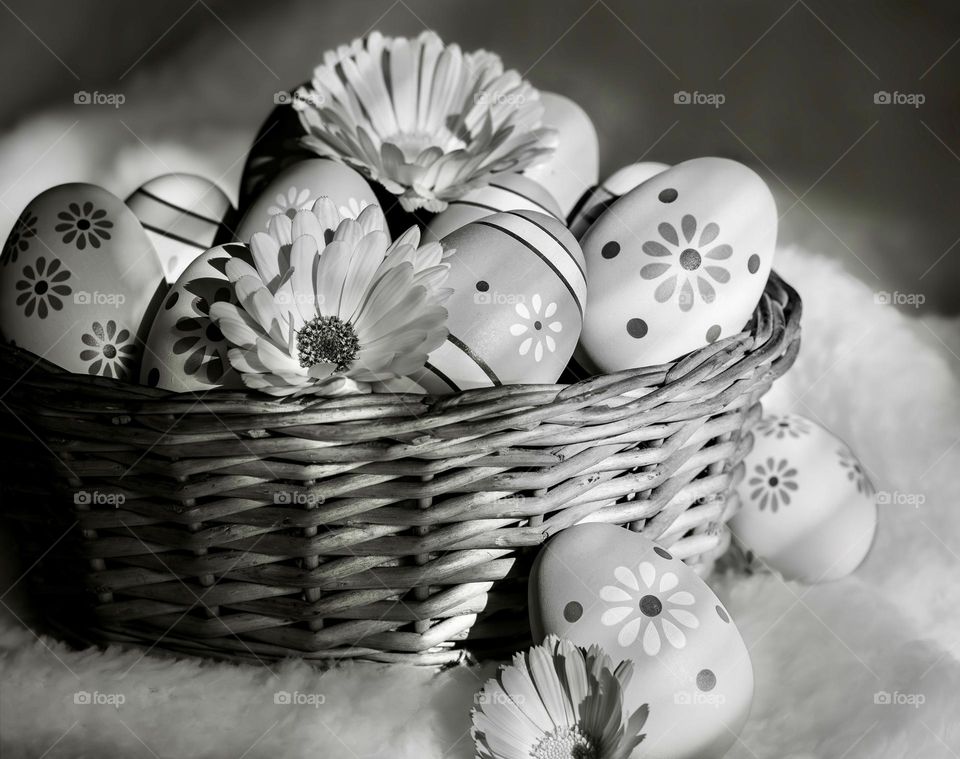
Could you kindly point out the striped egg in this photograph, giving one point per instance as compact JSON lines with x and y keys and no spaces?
{"x":181,"y":214}
{"x":299,"y":186}
{"x":184,"y":349}
{"x":598,"y":199}
{"x":574,"y":164}
{"x":508,"y":192}
{"x":517,"y":308}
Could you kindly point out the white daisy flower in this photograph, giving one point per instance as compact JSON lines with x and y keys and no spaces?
{"x":535,"y":327}
{"x":426,"y":120}
{"x":649,"y":606}
{"x":558,"y":701}
{"x":330,"y":306}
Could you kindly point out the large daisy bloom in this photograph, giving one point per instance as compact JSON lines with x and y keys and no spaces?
{"x":330,"y":306}
{"x":426,"y":120}
{"x":557,"y":701}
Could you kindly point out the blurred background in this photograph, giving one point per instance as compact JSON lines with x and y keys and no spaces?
{"x":850,"y":111}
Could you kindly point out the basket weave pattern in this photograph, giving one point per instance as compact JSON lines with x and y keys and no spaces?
{"x":378,"y":526}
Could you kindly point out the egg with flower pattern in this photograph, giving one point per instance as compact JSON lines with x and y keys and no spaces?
{"x":299,"y":186}
{"x":517,"y":306}
{"x":599,"y":584}
{"x":808,"y":508}
{"x":185,"y":351}
{"x":78,"y":277}
{"x":181,"y":214}
{"x":676,"y":264}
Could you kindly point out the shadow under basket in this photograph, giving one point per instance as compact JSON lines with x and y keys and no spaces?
{"x":394,"y":528}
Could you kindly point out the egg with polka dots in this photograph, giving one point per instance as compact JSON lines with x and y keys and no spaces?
{"x":185,"y":351}
{"x":517,"y":306}
{"x":675,"y":264}
{"x":599,"y":584}
{"x":807,"y":507}
{"x":78,"y":278}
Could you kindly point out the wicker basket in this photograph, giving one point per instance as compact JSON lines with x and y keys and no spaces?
{"x":228,"y":524}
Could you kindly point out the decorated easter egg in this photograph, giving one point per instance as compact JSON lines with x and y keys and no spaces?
{"x":299,"y":186}
{"x":599,"y":584}
{"x":517,"y":306}
{"x":275,"y":147}
{"x":182,"y":214}
{"x":598,"y":199}
{"x":507,"y":192}
{"x":808,"y":508}
{"x":78,"y":277}
{"x":677,"y":263}
{"x":185,"y":350}
{"x":574,"y":165}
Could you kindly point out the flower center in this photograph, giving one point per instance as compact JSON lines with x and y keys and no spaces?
{"x":41,"y":287}
{"x":538,"y":325}
{"x":774,"y":481}
{"x":651,"y":606}
{"x":566,"y":743}
{"x":328,"y":340}
{"x":83,"y":224}
{"x":109,"y":351}
{"x":690,"y":259}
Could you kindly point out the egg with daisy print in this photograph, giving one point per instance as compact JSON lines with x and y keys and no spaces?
{"x":677,"y":263}
{"x":299,"y":186}
{"x":807,"y":507}
{"x":79,"y":279}
{"x":600,"y":584}
{"x":518,"y":298}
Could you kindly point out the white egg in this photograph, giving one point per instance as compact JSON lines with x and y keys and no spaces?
{"x":182,"y":215}
{"x":598,"y":199}
{"x":808,"y":509}
{"x":79,"y":281}
{"x":599,"y":584}
{"x":677,"y":263}
{"x":575,"y":163}
{"x":515,"y":315}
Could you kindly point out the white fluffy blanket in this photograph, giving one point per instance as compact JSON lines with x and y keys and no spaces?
{"x":883,"y":381}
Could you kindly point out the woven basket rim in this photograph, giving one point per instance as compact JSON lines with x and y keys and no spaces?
{"x":124,"y":390}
